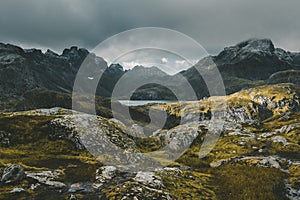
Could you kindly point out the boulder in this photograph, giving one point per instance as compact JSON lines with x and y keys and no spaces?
{"x":269,"y":162}
{"x":148,"y":179}
{"x":81,"y":188}
{"x":17,"y":190}
{"x":47,"y":178}
{"x":280,"y":139}
{"x":73,"y":197}
{"x":12,"y":174}
{"x":105,"y":173}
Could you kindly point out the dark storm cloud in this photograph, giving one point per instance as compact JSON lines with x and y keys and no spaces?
{"x":213,"y":23}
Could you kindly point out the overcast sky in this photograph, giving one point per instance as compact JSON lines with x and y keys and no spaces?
{"x":57,"y":24}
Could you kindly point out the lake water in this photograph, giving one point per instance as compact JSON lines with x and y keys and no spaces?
{"x":142,"y":102}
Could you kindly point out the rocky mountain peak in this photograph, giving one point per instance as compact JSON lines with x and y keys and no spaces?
{"x":34,"y":53}
{"x":138,"y":67}
{"x":10,"y":54}
{"x":75,"y":52}
{"x":8,"y":48}
{"x":51,"y":53}
{"x":116,"y":68}
{"x":245,"y":50}
{"x":143,"y":69}
{"x":251,"y":45}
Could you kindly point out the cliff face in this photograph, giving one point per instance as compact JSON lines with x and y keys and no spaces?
{"x":24,"y":70}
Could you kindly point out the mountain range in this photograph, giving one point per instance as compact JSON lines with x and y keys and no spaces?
{"x":251,"y":63}
{"x":50,"y":151}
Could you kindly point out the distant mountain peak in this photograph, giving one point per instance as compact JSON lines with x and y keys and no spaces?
{"x":74,"y":51}
{"x":138,"y":67}
{"x":116,"y":67}
{"x":141,"y":67}
{"x":246,"y":50}
{"x":9,"y":48}
{"x":254,"y":45}
{"x":51,"y":53}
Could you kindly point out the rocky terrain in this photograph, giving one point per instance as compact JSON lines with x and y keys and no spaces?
{"x":241,"y":146}
{"x":46,"y":155}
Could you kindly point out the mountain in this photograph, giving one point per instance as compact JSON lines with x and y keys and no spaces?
{"x":25,"y":70}
{"x":258,"y":58}
{"x":142,"y":80}
{"x":248,"y":64}
{"x":251,"y":63}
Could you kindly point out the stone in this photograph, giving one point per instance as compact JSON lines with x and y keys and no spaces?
{"x":81,"y":188}
{"x":34,"y":186}
{"x":105,"y":173}
{"x":173,"y":170}
{"x":4,"y":139}
{"x":17,"y":190}
{"x":148,"y":179}
{"x":12,"y":174}
{"x":280,"y":139}
{"x":73,"y":197}
{"x":47,"y":178}
{"x":220,"y":162}
{"x":292,"y":193}
{"x":266,"y":135}
{"x":269,"y":162}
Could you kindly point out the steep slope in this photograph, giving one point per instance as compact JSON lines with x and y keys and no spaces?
{"x":247,"y":64}
{"x":23,"y":70}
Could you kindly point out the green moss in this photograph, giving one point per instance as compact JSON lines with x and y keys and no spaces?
{"x":148,"y":144}
{"x":32,"y":148}
{"x":247,"y":182}
{"x":81,"y":173}
{"x":188,"y":185}
{"x":294,"y":178}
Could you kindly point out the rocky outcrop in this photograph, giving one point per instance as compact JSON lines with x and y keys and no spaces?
{"x":12,"y":174}
{"x":24,"y":70}
{"x":17,"y":190}
{"x":48,"y":178}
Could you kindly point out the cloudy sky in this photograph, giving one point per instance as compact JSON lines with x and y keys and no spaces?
{"x":57,"y":24}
